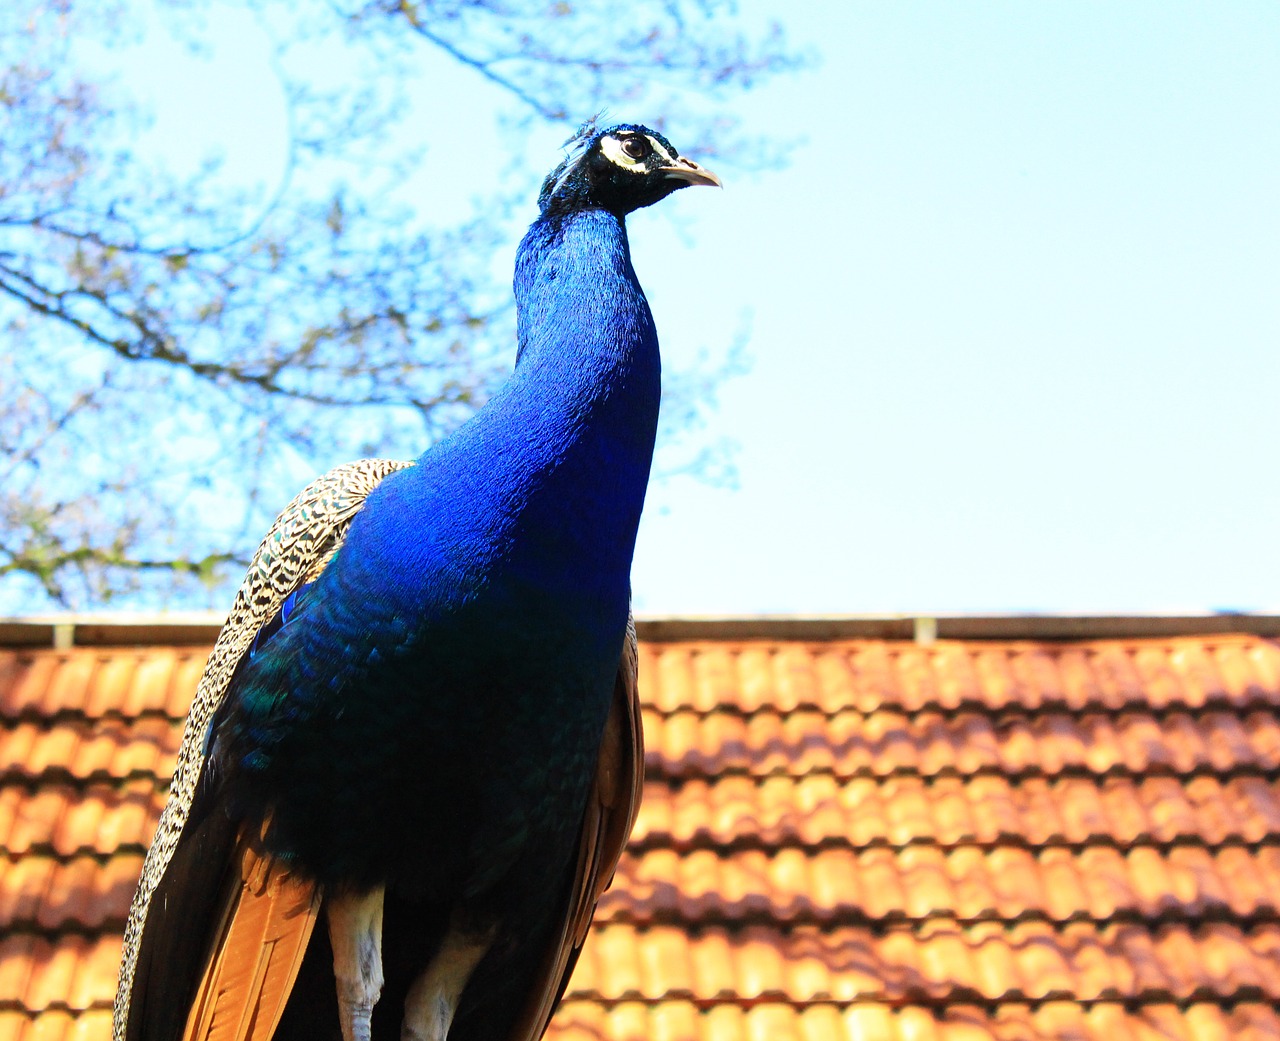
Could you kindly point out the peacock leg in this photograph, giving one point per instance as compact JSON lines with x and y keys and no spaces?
{"x":355,"y":931}
{"x":433,"y":999}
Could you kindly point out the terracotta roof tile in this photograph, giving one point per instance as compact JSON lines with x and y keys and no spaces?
{"x":98,"y":818}
{"x":84,"y":748}
{"x":690,"y":744}
{"x":72,"y":971}
{"x":45,"y":893}
{"x":986,"y":809}
{"x":869,"y":675}
{"x":939,"y":960}
{"x":97,"y":683}
{"x":56,"y":1026}
{"x":681,"y":1020}
{"x":841,"y":839}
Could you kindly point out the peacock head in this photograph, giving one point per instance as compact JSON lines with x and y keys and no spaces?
{"x":619,"y":170}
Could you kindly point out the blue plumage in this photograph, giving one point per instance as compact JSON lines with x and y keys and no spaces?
{"x":493,"y":573}
{"x":428,"y":724}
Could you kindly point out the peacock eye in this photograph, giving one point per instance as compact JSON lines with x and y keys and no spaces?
{"x":636,"y":147}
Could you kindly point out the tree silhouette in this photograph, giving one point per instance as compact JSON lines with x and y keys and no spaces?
{"x":178,"y":349}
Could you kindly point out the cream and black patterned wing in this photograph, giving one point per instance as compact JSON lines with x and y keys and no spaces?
{"x":302,"y":541}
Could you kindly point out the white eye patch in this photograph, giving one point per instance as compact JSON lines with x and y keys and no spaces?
{"x":611,"y":149}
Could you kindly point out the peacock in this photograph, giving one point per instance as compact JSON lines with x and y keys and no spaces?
{"x":415,"y":753}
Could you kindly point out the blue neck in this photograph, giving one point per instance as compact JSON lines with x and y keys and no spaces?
{"x":533,"y":505}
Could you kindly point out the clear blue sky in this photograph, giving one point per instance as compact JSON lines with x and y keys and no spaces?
{"x":1014,"y":302}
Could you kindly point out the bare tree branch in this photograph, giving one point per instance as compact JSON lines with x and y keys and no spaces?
{"x":180,"y":352}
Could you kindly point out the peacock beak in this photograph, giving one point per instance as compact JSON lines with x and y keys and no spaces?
{"x":691,"y":173}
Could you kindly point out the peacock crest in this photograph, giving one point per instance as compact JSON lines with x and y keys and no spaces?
{"x":576,"y":147}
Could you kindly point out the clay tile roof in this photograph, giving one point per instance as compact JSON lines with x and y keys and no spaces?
{"x":1056,"y":828}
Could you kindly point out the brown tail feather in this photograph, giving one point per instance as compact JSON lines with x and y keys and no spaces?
{"x":267,"y":918}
